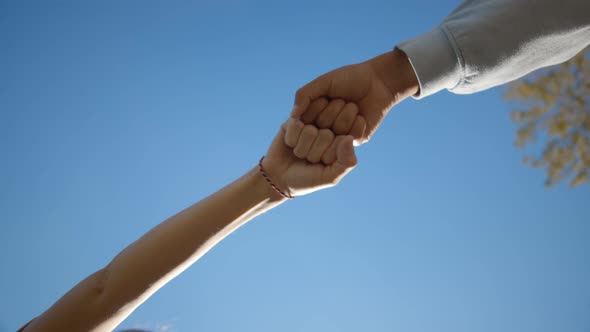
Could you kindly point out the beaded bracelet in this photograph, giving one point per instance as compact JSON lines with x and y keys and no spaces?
{"x":267,"y":178}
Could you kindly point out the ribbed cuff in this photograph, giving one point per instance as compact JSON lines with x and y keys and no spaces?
{"x":435,"y":62}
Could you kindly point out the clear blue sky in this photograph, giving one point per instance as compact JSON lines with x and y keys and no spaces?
{"x":117,"y":114}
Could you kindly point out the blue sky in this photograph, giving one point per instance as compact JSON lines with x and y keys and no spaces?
{"x":115,"y":115}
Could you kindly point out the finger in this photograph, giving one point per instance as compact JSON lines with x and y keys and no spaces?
{"x":312,"y":90}
{"x":327,"y":117}
{"x":345,"y":162}
{"x":320,"y":145}
{"x":314,"y":109}
{"x":292,"y":132}
{"x":277,"y":150}
{"x":358,"y":129}
{"x":345,"y":155}
{"x":345,"y":119}
{"x":329,"y":156}
{"x":308,"y":135}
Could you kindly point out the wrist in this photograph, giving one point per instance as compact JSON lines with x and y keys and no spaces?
{"x":396,"y":72}
{"x":262,"y":188}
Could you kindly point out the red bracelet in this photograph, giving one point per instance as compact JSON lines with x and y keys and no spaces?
{"x":267,"y":178}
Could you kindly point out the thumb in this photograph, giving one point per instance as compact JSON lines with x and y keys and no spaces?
{"x":345,"y":155}
{"x":277,"y":147}
{"x":306,"y":94}
{"x":346,"y":160}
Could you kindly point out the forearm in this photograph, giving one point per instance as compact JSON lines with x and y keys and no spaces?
{"x":484,"y":43}
{"x":107,"y":297}
{"x":171,"y":247}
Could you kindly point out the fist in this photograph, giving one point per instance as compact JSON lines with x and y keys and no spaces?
{"x":303,"y":158}
{"x":341,"y":117}
{"x":374,"y":86}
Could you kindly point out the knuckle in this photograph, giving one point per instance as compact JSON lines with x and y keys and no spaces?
{"x":310,"y":130}
{"x":338,"y":103}
{"x":349,"y":114}
{"x":326,"y":134}
{"x":326,"y":118}
{"x":319,"y":103}
{"x":352,"y":111}
{"x":341,"y":127}
{"x":290,"y":141}
{"x":314,"y":159}
{"x":353,"y":106}
{"x":298,"y":153}
{"x":298,"y":125}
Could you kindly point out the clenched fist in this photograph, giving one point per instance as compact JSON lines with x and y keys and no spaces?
{"x":303,"y":159}
{"x":374,"y":85}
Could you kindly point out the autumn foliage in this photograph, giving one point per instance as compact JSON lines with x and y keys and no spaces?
{"x":554,"y":119}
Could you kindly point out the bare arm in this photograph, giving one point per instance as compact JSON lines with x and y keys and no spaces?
{"x":107,"y":297}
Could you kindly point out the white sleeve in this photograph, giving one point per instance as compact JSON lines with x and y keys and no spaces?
{"x":484,"y":43}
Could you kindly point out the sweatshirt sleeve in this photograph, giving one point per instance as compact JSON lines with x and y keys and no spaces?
{"x":485,"y":43}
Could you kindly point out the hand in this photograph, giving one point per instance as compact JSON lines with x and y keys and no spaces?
{"x":375,"y":86}
{"x":303,"y":159}
{"x":341,"y":117}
